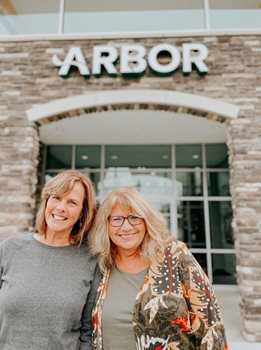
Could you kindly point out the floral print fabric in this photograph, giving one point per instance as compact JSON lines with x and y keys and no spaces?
{"x":175,"y":308}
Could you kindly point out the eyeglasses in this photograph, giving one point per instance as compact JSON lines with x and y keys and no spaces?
{"x":117,"y":221}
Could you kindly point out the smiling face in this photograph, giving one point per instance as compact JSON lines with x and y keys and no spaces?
{"x":62,"y":212}
{"x":126,"y":237}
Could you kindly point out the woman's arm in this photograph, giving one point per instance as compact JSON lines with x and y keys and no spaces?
{"x":205,"y":316}
{"x":86,"y":329}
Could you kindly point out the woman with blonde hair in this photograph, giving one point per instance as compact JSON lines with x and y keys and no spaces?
{"x":47,"y":280}
{"x":153,"y":294}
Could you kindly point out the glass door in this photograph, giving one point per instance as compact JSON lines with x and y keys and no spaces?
{"x":189,"y":184}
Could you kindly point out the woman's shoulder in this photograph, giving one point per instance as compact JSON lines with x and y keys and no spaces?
{"x":176,"y":246}
{"x":16,"y":240}
{"x":13,"y":243}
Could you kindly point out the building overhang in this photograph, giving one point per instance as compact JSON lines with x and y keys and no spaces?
{"x":104,"y":98}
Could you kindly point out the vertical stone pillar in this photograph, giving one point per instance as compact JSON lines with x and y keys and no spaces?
{"x":19,"y":146}
{"x":244,"y":144}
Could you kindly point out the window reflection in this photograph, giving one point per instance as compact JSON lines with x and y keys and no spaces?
{"x":149,"y":169}
{"x":188,"y":156}
{"x":224,"y":268}
{"x":136,"y":156}
{"x":191,"y":227}
{"x":220,"y":215}
{"x":80,"y":16}
{"x":216,"y":156}
{"x":59,"y":157}
{"x":157,"y":186}
{"x":115,"y":16}
{"x":218,"y":184}
{"x":29,"y":17}
{"x":191,"y":183}
{"x":234,"y":14}
{"x":88,"y":157}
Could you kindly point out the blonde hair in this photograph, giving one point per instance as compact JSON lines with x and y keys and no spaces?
{"x":131,"y":201}
{"x":60,"y":185}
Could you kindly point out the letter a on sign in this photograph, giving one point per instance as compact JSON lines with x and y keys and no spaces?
{"x":73,"y":58}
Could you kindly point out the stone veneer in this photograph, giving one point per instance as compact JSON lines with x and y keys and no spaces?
{"x":28,"y":78}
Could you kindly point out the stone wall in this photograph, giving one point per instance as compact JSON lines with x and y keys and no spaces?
{"x":29,"y":78}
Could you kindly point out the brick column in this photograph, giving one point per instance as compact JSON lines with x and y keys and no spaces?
{"x":18,"y":179}
{"x":245,"y":173}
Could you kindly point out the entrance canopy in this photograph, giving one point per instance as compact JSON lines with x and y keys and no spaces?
{"x":132,"y":99}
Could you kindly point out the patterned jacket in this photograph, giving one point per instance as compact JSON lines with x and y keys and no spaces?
{"x":175,"y":308}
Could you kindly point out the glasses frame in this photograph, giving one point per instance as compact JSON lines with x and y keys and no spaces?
{"x":123,"y":220}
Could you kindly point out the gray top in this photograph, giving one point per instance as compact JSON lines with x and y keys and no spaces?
{"x":117,"y":330}
{"x":46,"y":295}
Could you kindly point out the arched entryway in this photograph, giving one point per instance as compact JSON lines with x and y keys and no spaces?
{"x":133,"y":99}
{"x":170,"y":145}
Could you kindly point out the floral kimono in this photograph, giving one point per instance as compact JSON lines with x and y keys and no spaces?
{"x":175,"y":308}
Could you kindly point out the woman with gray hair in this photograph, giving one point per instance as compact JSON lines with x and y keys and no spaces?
{"x":154,"y":294}
{"x":47,"y":280}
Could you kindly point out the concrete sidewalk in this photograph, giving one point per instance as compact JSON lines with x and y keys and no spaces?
{"x":228,"y":299}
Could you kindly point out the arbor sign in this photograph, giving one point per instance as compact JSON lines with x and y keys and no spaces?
{"x":134,"y":60}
